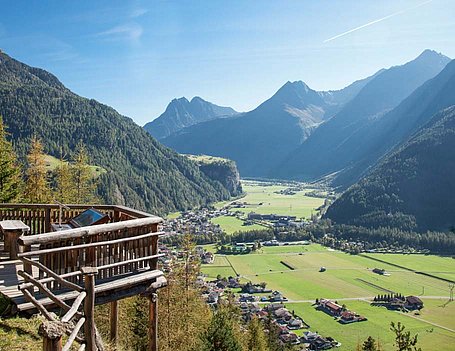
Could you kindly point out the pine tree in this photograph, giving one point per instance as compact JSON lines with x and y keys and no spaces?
{"x":369,"y":345}
{"x":84,"y":184}
{"x":256,"y":336}
{"x":37,"y":188}
{"x":403,"y":340}
{"x":10,"y":173}
{"x":220,"y":335}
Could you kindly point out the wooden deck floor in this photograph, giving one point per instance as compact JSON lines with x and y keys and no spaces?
{"x":9,"y":279}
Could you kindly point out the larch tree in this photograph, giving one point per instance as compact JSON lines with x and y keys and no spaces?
{"x":64,"y":187}
{"x":37,"y":189}
{"x":10,"y":172}
{"x":84,"y":182}
{"x":256,"y":337}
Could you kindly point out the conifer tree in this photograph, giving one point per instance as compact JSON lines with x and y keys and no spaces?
{"x":10,"y":173}
{"x":256,"y":336}
{"x":37,"y":188}
{"x":369,"y":345}
{"x":84,"y":184}
{"x":403,"y":340}
{"x":220,"y":335}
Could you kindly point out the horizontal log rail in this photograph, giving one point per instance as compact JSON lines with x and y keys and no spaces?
{"x":86,"y":246}
{"x":84,"y":232}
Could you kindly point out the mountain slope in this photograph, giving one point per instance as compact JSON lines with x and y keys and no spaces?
{"x":341,"y":145}
{"x":140,"y":172}
{"x":258,"y":139}
{"x":412,"y":187}
{"x":181,"y":113}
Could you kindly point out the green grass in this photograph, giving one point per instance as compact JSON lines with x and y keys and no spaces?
{"x":173,"y":215}
{"x":52,"y":163}
{"x":232,"y":224}
{"x":424,"y":263}
{"x":263,"y":199}
{"x":377,"y":325}
{"x":347,"y":277}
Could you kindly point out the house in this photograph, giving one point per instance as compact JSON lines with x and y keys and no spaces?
{"x":295,"y":323}
{"x":320,"y":343}
{"x":351,"y":317}
{"x":290,"y":338}
{"x":213,"y":298}
{"x":277,"y":296}
{"x":274,"y":306}
{"x":413,"y":303}
{"x":309,"y":336}
{"x":330,"y":307}
{"x":208,"y":258}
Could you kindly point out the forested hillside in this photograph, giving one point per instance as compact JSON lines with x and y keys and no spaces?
{"x":411,"y":188}
{"x":140,"y":172}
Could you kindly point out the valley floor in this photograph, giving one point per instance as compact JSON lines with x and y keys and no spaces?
{"x":350,"y":280}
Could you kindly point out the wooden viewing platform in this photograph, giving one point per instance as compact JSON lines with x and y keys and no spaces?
{"x":65,"y":270}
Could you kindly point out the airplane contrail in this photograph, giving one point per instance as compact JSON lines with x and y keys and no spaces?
{"x":376,"y":21}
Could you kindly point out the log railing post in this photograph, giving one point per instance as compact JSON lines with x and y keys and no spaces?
{"x":89,"y":307}
{"x":114,"y":322}
{"x":52,"y":333}
{"x":153,"y":322}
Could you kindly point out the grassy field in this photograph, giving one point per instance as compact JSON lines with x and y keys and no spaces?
{"x":263,"y":198}
{"x":350,"y":277}
{"x":52,"y":163}
{"x":232,"y":224}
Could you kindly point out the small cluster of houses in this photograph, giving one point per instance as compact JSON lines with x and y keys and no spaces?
{"x":277,"y":220}
{"x":398,"y":302}
{"x":343,"y":315}
{"x":195,"y":222}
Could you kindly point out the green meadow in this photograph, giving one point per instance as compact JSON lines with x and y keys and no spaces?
{"x":232,"y":224}
{"x":350,"y":277}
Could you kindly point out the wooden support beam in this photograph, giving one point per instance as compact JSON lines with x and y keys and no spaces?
{"x":114,"y":322}
{"x":89,"y":307}
{"x":38,"y":305}
{"x":153,"y":322}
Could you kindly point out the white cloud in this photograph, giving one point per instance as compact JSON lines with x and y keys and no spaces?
{"x":130,"y":32}
{"x":138,"y":12}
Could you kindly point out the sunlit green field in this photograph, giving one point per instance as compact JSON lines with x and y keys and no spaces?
{"x":231,"y":224}
{"x":430,"y":337}
{"x":261,"y":198}
{"x":350,"y":277}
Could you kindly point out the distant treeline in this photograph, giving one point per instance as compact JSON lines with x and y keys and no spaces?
{"x":347,"y":237}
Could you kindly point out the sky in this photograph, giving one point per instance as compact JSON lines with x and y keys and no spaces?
{"x":136,"y":56}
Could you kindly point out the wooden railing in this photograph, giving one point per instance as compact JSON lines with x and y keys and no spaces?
{"x":86,"y":266}
{"x":39,"y":217}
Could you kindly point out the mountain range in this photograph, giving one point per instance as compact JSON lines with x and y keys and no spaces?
{"x":181,"y":113}
{"x":141,"y":172}
{"x":258,"y":139}
{"x":303,"y":134}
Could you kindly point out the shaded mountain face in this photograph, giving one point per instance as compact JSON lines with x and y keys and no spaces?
{"x":181,"y":113}
{"x":342,"y":146}
{"x":412,"y":187}
{"x":140,"y":172}
{"x":257,"y":140}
